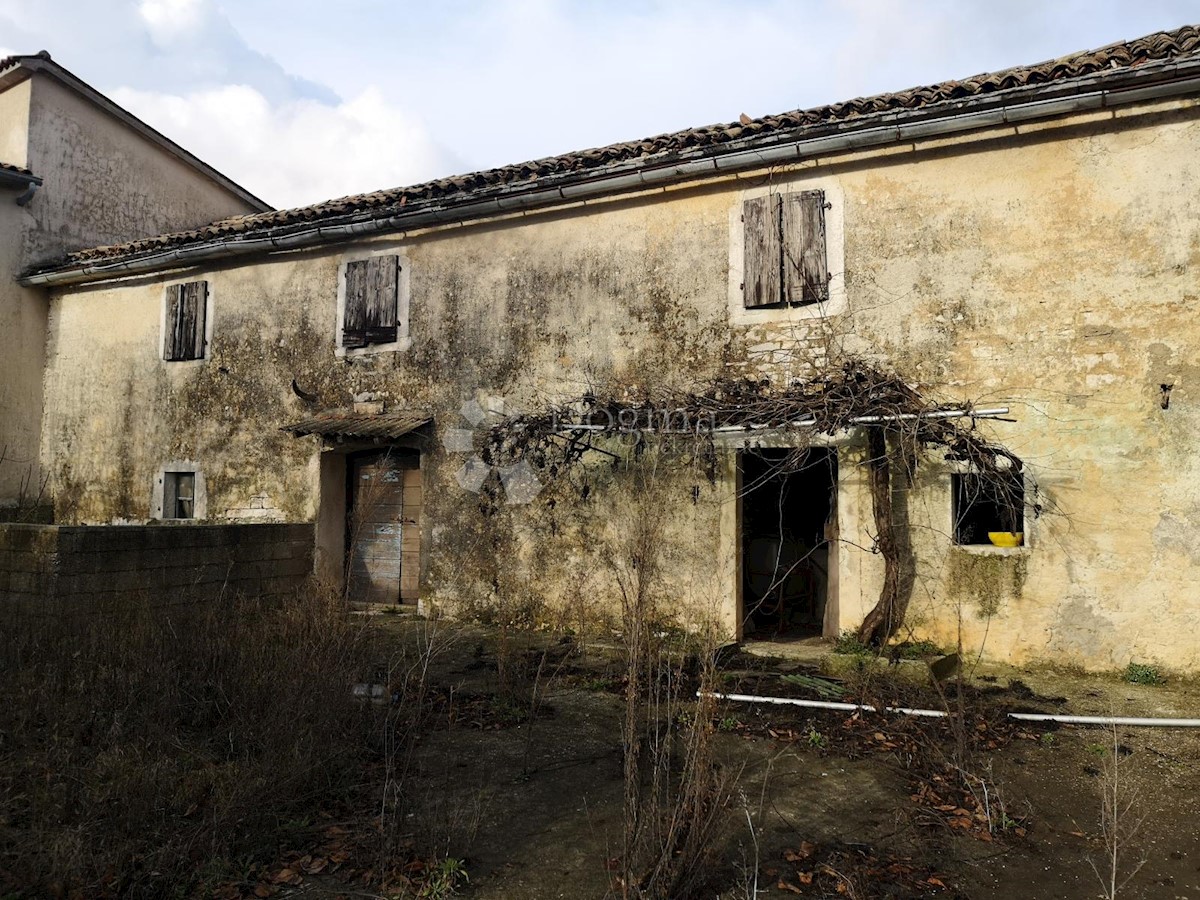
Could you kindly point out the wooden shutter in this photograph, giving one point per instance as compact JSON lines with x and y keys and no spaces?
{"x":382,"y":276}
{"x":370,"y":315}
{"x":805,"y":266}
{"x":763,"y":254}
{"x":186,"y":310}
{"x":354,"y":320}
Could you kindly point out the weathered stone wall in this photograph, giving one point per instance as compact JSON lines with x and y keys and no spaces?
{"x":95,"y":563}
{"x":102,"y":183}
{"x":1050,"y":268}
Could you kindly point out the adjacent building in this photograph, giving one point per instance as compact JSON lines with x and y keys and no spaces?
{"x":76,"y":170}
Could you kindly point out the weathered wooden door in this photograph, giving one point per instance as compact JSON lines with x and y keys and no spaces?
{"x":383,"y":530}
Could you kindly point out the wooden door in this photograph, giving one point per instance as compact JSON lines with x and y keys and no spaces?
{"x":383,"y":530}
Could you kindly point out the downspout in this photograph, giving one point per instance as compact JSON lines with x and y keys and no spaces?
{"x":28,"y":193}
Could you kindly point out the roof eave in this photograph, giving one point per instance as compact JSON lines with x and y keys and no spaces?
{"x":1118,"y":87}
{"x":8,"y":178}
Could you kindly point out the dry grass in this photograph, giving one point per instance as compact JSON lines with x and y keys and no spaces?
{"x":148,"y":746}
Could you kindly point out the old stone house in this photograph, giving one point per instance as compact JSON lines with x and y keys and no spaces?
{"x":75,"y":170}
{"x":1026,"y":240}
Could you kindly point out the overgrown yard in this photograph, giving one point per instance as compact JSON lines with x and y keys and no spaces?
{"x":241,"y":750}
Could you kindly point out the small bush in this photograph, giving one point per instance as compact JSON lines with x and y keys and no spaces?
{"x":1138,"y":673}
{"x":918,"y":650}
{"x":848,"y":644}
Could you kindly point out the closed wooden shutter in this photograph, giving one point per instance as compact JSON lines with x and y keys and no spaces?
{"x":370,"y":315}
{"x":186,"y":311}
{"x":354,"y":321}
{"x":805,"y":266}
{"x":763,"y":252}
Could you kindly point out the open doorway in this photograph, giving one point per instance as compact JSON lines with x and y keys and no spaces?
{"x":787,"y":522}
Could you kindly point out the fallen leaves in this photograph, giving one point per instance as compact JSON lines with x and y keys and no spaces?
{"x":818,"y":870}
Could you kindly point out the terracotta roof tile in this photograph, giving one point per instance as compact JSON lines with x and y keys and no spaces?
{"x":1161,"y":46}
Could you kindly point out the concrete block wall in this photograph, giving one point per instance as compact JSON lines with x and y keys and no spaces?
{"x":98,"y":562}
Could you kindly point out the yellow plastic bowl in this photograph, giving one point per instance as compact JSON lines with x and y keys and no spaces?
{"x":1006,"y":538}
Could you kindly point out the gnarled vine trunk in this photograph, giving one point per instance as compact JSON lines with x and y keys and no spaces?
{"x":882,"y":622}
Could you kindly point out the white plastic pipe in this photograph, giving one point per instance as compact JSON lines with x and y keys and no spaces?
{"x":1107,"y":720}
{"x":824,"y":704}
{"x":939,"y":714}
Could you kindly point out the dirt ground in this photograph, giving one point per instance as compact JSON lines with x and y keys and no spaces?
{"x":840,"y":805}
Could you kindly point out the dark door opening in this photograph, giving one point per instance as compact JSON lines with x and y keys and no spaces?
{"x":787,"y":515}
{"x":383,"y":526}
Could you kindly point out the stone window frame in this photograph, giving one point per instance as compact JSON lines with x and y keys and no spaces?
{"x":209,"y":310}
{"x":158,"y":490}
{"x":403,"y":302}
{"x":1028,"y":517}
{"x":835,"y":254}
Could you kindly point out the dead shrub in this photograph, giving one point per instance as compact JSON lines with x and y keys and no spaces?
{"x":675,"y":794}
{"x":147,"y":745}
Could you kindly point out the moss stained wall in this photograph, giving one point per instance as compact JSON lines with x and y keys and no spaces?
{"x":1049,"y":270}
{"x":102,"y":183}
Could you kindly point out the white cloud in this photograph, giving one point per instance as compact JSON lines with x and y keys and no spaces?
{"x":168,"y":20}
{"x":297,"y":152}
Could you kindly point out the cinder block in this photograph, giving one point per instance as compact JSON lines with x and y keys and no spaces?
{"x":292,"y":568}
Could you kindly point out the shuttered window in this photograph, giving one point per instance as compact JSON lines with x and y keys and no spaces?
{"x":371,"y":301}
{"x":186,"y":309}
{"x":785,"y":261}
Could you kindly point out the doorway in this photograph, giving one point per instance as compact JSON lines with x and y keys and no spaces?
{"x":787,"y":528}
{"x":383,"y":537}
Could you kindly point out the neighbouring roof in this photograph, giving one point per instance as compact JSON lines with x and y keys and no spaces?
{"x":18,"y":173}
{"x":386,"y":425}
{"x":944,"y":99}
{"x":14,"y":69}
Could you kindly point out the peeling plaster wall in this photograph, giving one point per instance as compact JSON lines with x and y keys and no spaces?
{"x":22,"y":359}
{"x":1052,"y":270}
{"x":103,"y":182}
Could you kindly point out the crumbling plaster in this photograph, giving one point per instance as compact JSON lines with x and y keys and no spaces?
{"x":1049,"y":270}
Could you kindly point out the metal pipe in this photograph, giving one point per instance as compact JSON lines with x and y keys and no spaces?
{"x":28,"y":193}
{"x":1132,"y":721}
{"x":1017,"y":104}
{"x":989,"y":413}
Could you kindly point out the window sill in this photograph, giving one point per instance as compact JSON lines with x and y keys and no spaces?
{"x":399,"y":346}
{"x":779,"y":313}
{"x":992,"y":549}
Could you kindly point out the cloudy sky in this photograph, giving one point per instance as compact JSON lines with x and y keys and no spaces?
{"x":303,"y":100}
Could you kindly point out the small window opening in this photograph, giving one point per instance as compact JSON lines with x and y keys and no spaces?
{"x":986,"y":504}
{"x":179,"y":495}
